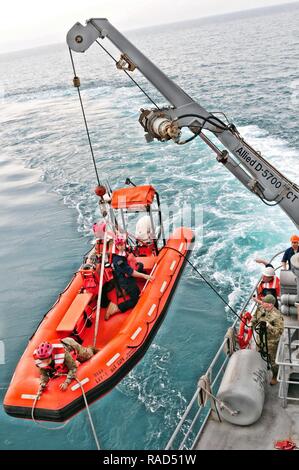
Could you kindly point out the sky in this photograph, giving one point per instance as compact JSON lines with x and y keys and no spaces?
{"x":32,"y":23}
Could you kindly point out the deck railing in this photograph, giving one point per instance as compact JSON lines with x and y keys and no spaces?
{"x":192,"y":423}
{"x":288,"y":362}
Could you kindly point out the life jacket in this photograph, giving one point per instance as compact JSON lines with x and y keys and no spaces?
{"x":99,"y":246}
{"x":123,"y":260}
{"x":57,"y":365}
{"x":90,"y":280}
{"x":145,"y":249}
{"x":272,"y":287}
{"x":122,"y":279}
{"x":108,"y":273}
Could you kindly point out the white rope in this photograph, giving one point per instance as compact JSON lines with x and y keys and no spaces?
{"x":204,"y":385}
{"x":64,"y":424}
{"x":100,"y":289}
{"x":89,"y":416}
{"x":38,"y":423}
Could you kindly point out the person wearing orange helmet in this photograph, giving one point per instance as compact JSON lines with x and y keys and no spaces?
{"x":286,"y":259}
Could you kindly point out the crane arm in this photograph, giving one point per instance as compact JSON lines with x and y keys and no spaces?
{"x":244,"y":162}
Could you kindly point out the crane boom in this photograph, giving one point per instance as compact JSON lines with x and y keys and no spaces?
{"x":244,"y":162}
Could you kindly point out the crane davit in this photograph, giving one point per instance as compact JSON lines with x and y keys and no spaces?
{"x":163,"y":124}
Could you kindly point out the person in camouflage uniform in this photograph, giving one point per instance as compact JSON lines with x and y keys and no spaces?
{"x":72,"y":352}
{"x":268,"y":313}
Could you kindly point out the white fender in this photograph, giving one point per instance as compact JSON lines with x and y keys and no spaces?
{"x":243,"y":387}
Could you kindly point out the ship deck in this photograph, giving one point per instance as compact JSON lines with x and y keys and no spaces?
{"x":276,"y":423}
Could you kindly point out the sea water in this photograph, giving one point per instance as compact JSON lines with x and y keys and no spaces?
{"x":245,"y":65}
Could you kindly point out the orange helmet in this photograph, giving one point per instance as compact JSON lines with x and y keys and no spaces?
{"x":294,"y":238}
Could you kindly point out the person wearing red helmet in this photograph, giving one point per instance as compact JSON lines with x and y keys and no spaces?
{"x":60,"y":358}
{"x":286,"y":259}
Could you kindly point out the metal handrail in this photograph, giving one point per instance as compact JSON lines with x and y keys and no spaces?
{"x":201,"y":406}
{"x":194,"y":397}
{"x":210,"y":371}
{"x":284,"y":360}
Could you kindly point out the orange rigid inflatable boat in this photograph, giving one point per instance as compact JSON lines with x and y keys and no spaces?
{"x":122,"y":340}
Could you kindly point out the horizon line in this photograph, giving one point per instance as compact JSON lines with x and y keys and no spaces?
{"x":231,"y":13}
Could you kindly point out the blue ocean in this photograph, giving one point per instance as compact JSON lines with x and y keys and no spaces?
{"x":245,"y":65}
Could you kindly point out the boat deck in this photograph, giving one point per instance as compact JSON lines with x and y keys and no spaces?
{"x":276,"y":423}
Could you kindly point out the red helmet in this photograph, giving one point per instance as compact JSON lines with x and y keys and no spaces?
{"x":120,"y":240}
{"x":44,"y":351}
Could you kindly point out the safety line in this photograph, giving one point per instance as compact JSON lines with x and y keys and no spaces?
{"x":134,"y":81}
{"x":85,"y":120}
